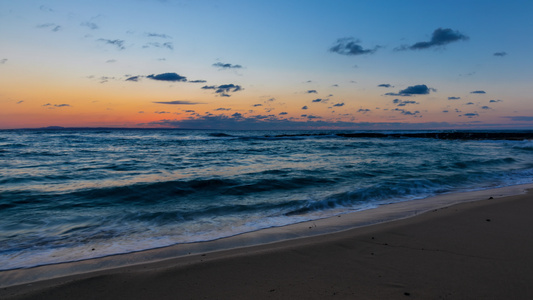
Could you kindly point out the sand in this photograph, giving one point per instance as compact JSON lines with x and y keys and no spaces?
{"x":475,"y":250}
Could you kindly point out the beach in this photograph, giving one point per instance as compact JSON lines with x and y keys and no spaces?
{"x":472,"y":250}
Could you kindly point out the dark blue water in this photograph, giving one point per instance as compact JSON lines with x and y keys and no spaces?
{"x":75,"y":194}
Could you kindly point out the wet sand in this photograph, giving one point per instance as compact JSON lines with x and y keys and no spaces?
{"x":474,"y":250}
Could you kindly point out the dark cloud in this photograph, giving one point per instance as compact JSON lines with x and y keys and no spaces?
{"x":312,"y":92}
{"x":224,"y":89}
{"x":19,"y":102}
{"x":495,"y":101}
{"x":477,"y":92}
{"x":420,"y":89}
{"x":283,"y":113}
{"x":469,"y":103}
{"x":363,"y":110}
{"x":49,"y":105}
{"x":161,"y":112}
{"x":400,"y":102}
{"x":318,"y":100}
{"x":226,"y":66}
{"x":470,"y":115}
{"x":167,"y":77}
{"x":197,"y":81}
{"x":440,"y":37}
{"x":91,"y":25}
{"x":222,"y":109}
{"x":305,"y":107}
{"x":445,"y":111}
{"x":338,"y":104}
{"x":351,"y":46}
{"x":454,"y":98}
{"x":406,"y":112}
{"x":501,"y":54}
{"x":133,"y":78}
{"x":178,"y":102}
{"x":117,"y":43}
{"x":385,"y":85}
{"x":485,"y":107}
{"x":255,"y":105}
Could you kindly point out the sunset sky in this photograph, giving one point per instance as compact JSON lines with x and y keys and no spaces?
{"x":342,"y":64}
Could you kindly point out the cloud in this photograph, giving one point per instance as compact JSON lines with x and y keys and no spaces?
{"x":197,"y":81}
{"x":226,"y":66}
{"x":318,"y":100}
{"x":19,"y":102}
{"x":305,"y":107}
{"x":161,"y":112}
{"x":338,"y":104}
{"x":363,"y":110}
{"x":520,"y":118}
{"x":55,"y":27}
{"x":178,"y":102}
{"x":470,"y":115}
{"x":3,"y":61}
{"x":477,"y":92}
{"x":454,"y":98}
{"x":51,"y":106}
{"x":385,"y":85}
{"x":440,"y":37}
{"x":133,"y":78}
{"x":91,"y":25}
{"x":312,"y":92}
{"x":406,"y":112}
{"x":420,"y":89}
{"x":256,"y":105}
{"x":222,"y":109}
{"x":158,"y":35}
{"x":110,"y":61}
{"x":283,"y":113}
{"x":167,"y":45}
{"x":399,"y":102}
{"x":351,"y":46}
{"x":174,"y":77}
{"x":118,"y":43}
{"x":495,"y":101}
{"x":501,"y":54}
{"x":224,"y":89}
{"x":469,"y":103}
{"x":485,"y":107}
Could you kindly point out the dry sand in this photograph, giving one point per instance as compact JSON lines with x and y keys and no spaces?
{"x":474,"y":250}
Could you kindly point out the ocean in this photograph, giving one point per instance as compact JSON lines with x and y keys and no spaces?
{"x":75,"y":194}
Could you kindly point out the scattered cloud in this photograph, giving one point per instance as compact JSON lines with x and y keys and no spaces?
{"x":470,"y":115}
{"x":440,"y":37}
{"x":520,"y":118}
{"x":305,"y":107}
{"x":110,"y":61}
{"x":91,"y":25}
{"x":406,"y":112}
{"x":51,"y":106}
{"x":19,"y":102}
{"x":224,"y":89}
{"x":3,"y":61}
{"x":495,"y":101}
{"x":318,"y":100}
{"x":161,"y":112}
{"x":167,"y":77}
{"x":385,"y":85}
{"x":133,"y":78}
{"x":283,"y":113}
{"x":400,"y":102}
{"x":501,"y":54}
{"x":158,"y":35}
{"x":222,"y":109}
{"x":363,"y":110}
{"x":351,"y":46}
{"x":312,"y":92}
{"x":256,"y":105}
{"x":54,"y":27}
{"x":178,"y":102}
{"x":197,"y":81}
{"x":477,"y":92}
{"x":485,"y":107}
{"x":338,"y":104}
{"x":226,"y":66}
{"x":167,"y":45}
{"x":454,"y":98}
{"x":469,"y":103}
{"x":117,"y":43}
{"x":420,"y":89}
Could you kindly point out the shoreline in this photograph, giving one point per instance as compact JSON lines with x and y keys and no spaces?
{"x":317,"y":229}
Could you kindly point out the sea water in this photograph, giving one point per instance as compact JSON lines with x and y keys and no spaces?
{"x":74,"y":194}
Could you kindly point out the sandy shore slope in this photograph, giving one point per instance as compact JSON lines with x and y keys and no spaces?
{"x":474,"y":250}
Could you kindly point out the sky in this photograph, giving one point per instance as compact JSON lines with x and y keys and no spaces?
{"x":231,"y":64}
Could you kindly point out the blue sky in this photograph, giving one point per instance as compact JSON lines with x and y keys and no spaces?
{"x":266,"y":64}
